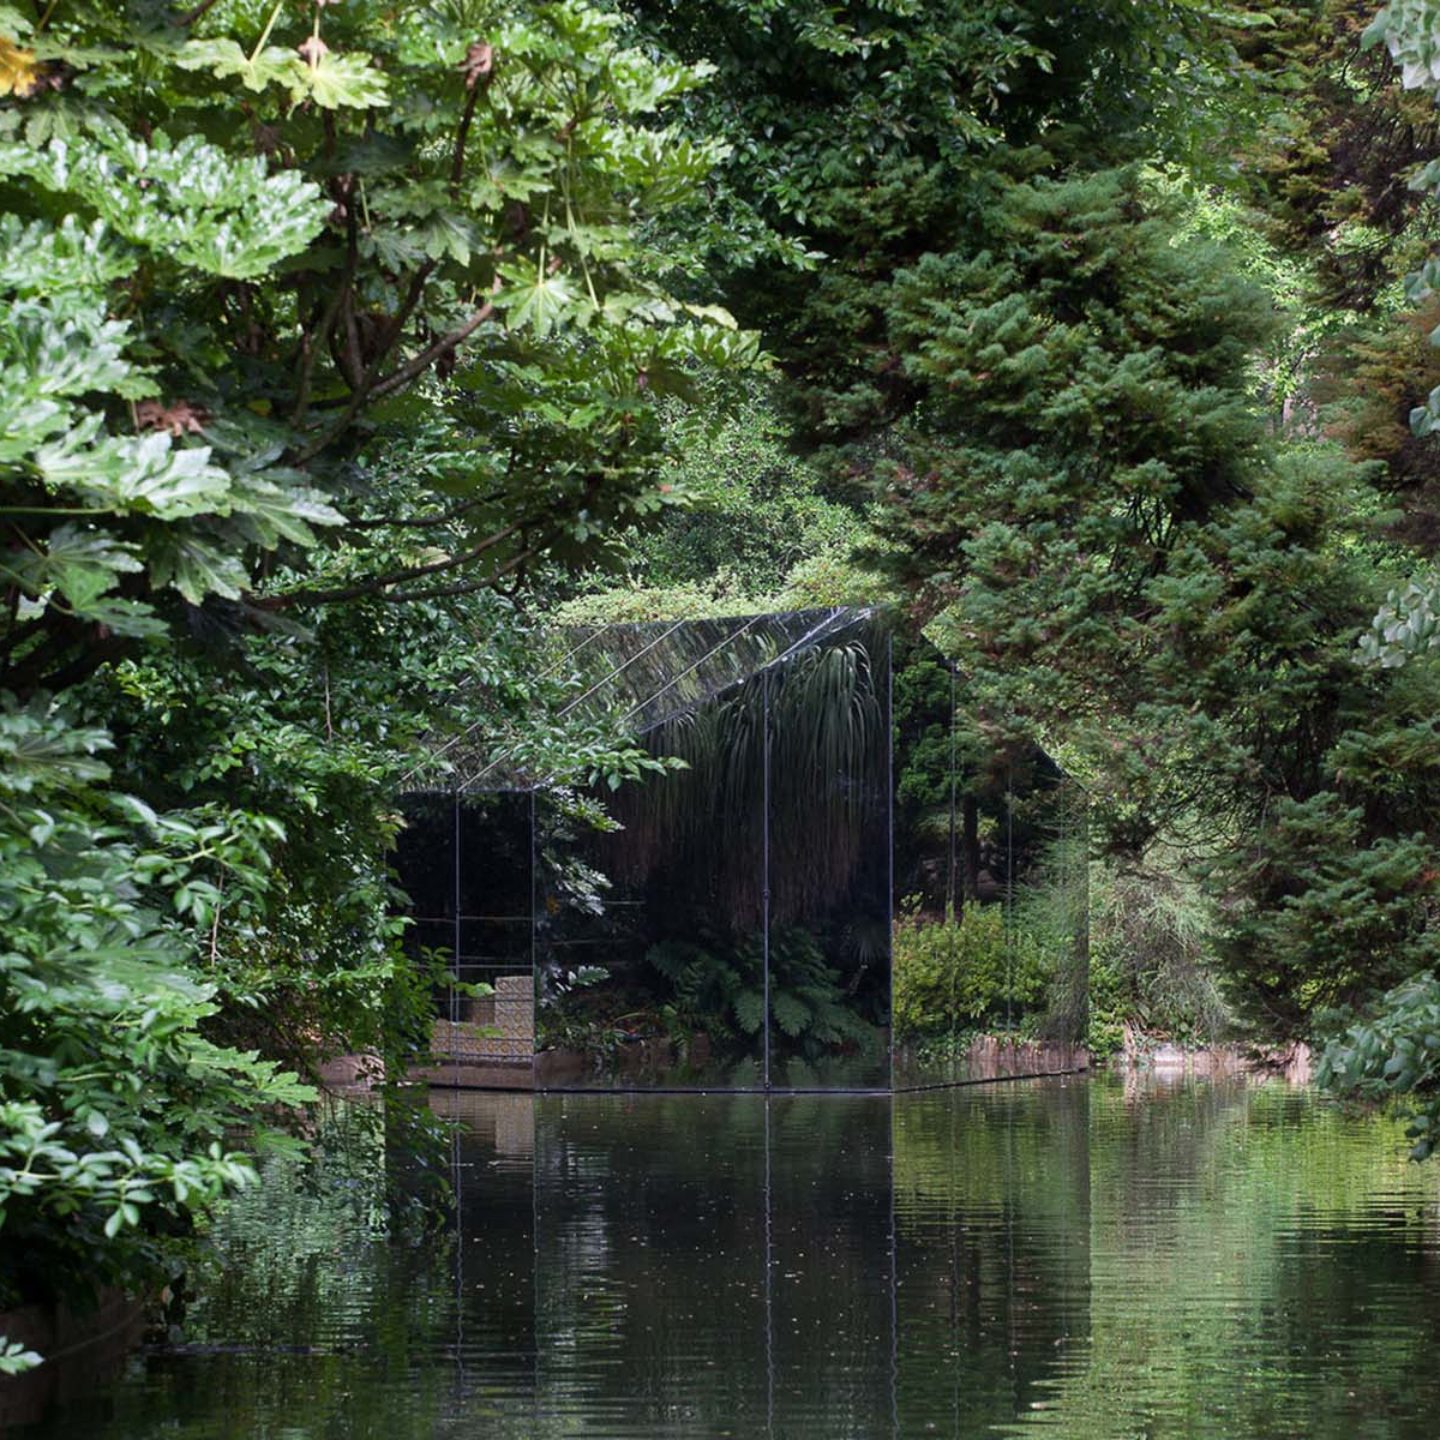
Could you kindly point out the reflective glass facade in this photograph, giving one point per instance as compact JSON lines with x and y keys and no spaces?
{"x":850,"y":885}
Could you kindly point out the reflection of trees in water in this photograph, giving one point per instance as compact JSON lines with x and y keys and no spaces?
{"x":991,"y":869}
{"x":973,"y":802}
{"x":1179,"y":1260}
{"x":688,"y":1187}
{"x":1202,"y":1260}
{"x":1256,"y":1271}
{"x":992,"y":1220}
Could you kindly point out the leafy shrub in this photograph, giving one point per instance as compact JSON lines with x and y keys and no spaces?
{"x":114,"y":1106}
{"x":1395,"y":1053}
{"x":965,"y":969}
{"x":1152,"y":956}
{"x":721,"y":992}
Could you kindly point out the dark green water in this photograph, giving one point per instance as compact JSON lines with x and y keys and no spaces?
{"x":1077,"y":1260}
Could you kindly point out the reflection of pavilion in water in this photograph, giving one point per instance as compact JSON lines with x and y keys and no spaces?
{"x":785,"y":1265}
{"x":851,"y":885}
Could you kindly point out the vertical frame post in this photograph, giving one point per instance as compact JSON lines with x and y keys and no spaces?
{"x":765,"y":875}
{"x":890,"y":838}
{"x":455,"y":903}
{"x":535,"y":996}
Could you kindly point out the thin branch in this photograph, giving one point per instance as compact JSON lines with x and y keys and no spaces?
{"x":364,"y":383}
{"x":380,"y":583}
{"x":215,"y":923}
{"x":353,"y":356}
{"x":367,"y":388}
{"x":431,"y":353}
{"x":407,"y":307}
{"x":467,"y":587}
{"x":428,"y":522}
{"x":310,"y":349}
{"x":353,"y":406}
{"x":191,"y":16}
{"x":457,"y":164}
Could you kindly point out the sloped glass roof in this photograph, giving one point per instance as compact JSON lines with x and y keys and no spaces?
{"x":643,"y":675}
{"x":657,"y":671}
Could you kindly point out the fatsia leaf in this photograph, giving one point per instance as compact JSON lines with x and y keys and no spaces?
{"x":84,"y":564}
{"x":39,"y":753}
{"x":718,"y":313}
{"x":134,"y":618}
{"x":26,"y":423}
{"x":143,"y":474}
{"x":445,"y":233}
{"x":47,"y":349}
{"x":196,"y":568}
{"x":188,"y":201}
{"x":40,"y":259}
{"x":536,"y":301}
{"x":340,"y":82}
{"x":77,"y":57}
{"x":224,"y":58}
{"x":394,"y":248}
{"x":282,"y":513}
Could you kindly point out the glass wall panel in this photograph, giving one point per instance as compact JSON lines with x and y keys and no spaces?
{"x":990,"y":936}
{"x":829,"y":865}
{"x":466,"y":863}
{"x":1048,"y":915}
{"x":425,"y":867}
{"x":945,"y":859}
{"x":649,"y":949}
{"x":742,"y":900}
{"x":855,"y":880}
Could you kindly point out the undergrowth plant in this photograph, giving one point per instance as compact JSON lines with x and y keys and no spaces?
{"x":968,"y":971}
{"x":720,"y":990}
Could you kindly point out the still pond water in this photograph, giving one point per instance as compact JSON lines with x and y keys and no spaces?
{"x":1076,"y":1259}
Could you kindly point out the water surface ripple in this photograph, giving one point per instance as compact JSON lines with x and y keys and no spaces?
{"x":1093,"y":1260}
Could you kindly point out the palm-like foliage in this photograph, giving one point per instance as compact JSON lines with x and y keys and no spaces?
{"x":826,"y":739}
{"x":721,"y":991}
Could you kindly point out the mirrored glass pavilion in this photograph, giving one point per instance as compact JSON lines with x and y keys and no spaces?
{"x":846,"y":887}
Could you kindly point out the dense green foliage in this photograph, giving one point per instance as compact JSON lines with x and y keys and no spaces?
{"x":1117,"y":553}
{"x":1152,"y":972}
{"x":975,"y":966}
{"x":757,"y":529}
{"x":323,"y":326}
{"x":721,"y":990}
{"x":343,"y":344}
{"x":1138,"y":543}
{"x":116,"y":1107}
